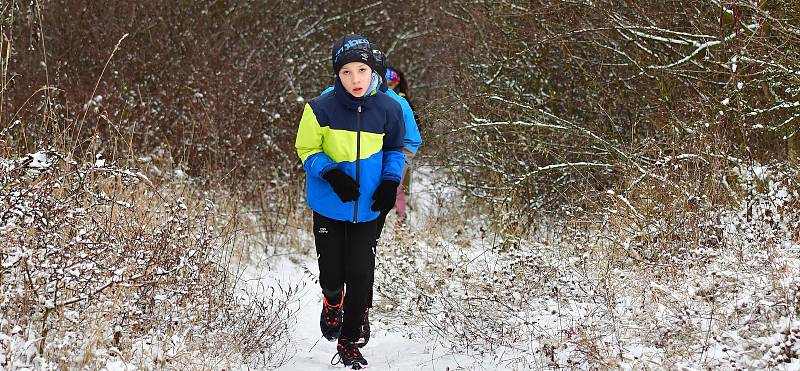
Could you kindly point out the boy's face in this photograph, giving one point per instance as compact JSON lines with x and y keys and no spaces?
{"x":355,"y":77}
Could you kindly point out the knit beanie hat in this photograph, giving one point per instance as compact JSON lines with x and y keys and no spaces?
{"x":351,"y":48}
{"x":380,"y":59}
{"x":392,"y":75}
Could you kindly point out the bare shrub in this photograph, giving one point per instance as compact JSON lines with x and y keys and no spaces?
{"x":558,"y":102}
{"x":216,"y":87}
{"x":636,"y":170}
{"x":581,"y":296}
{"x":98,"y":263}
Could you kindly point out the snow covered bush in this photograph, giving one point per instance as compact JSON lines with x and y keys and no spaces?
{"x":637,"y":166}
{"x":552,"y":104}
{"x":122,"y":226}
{"x":219,"y":86}
{"x":608,"y":295}
{"x":101,"y":267}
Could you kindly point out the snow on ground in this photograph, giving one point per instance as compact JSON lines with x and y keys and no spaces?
{"x":391,"y":346}
{"x":388,"y":349}
{"x":442,"y":293}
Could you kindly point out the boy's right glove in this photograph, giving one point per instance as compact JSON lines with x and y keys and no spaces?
{"x":344,"y":186}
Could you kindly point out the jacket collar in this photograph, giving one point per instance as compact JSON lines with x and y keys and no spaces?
{"x":345,"y":98}
{"x":383,"y":86}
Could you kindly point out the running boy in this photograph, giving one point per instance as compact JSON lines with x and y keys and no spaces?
{"x":350,"y":141}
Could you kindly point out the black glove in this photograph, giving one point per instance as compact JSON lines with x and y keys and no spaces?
{"x":385,"y":196}
{"x":344,"y":186}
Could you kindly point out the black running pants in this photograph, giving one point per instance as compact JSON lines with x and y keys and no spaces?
{"x":346,"y":257}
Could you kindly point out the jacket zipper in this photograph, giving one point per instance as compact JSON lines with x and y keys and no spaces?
{"x":358,"y":161}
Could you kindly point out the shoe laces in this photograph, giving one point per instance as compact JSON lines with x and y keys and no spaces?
{"x":350,"y":351}
{"x":331,"y":311}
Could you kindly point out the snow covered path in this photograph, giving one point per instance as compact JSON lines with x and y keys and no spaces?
{"x":387,"y":349}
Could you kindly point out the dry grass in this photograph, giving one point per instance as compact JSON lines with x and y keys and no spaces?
{"x":111,"y":254}
{"x":97,"y":259}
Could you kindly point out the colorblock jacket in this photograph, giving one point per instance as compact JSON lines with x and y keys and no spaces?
{"x":412,"y":140}
{"x":361,"y":136}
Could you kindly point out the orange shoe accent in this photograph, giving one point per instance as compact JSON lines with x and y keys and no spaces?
{"x":325,"y":301}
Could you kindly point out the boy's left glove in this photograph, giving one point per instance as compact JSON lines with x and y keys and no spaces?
{"x":385,"y":195}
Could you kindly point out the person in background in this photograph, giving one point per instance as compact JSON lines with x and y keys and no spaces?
{"x":395,"y":81}
{"x":350,"y":141}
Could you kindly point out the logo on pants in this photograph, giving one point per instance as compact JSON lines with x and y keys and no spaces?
{"x":323,"y":230}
